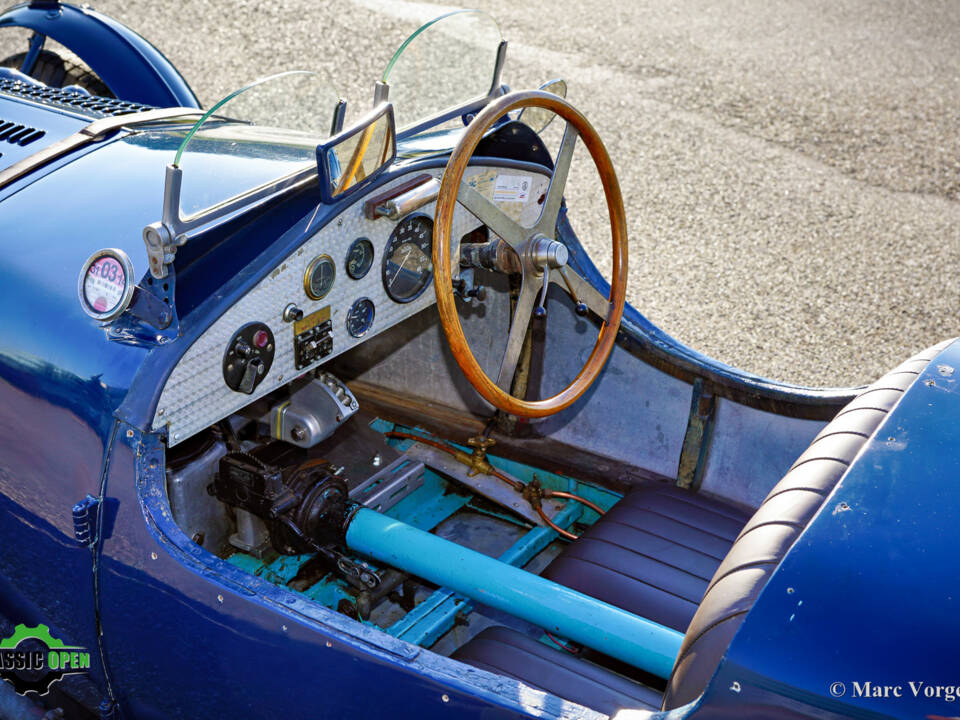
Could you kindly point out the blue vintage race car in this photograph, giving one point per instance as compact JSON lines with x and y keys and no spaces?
{"x":311,"y":410}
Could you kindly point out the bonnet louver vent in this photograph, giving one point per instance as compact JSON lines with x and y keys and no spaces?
{"x":19,"y":134}
{"x":87,"y":104}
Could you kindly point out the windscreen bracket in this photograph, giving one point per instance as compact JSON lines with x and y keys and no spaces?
{"x":163,"y":238}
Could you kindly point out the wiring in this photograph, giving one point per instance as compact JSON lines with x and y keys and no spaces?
{"x":561,"y":645}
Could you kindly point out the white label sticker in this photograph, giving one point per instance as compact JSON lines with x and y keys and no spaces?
{"x":512,"y":188}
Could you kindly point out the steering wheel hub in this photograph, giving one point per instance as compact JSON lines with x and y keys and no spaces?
{"x":546,"y":253}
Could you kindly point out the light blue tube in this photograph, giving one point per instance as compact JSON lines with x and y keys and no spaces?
{"x":557,"y":609}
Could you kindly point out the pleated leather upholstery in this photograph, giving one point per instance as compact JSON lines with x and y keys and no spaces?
{"x":652,"y":554}
{"x":506,"y":652}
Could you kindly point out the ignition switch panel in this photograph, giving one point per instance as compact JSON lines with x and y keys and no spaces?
{"x":248,"y":357}
{"x":312,"y":338}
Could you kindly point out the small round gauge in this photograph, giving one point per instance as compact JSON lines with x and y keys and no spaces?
{"x":360,"y":317}
{"x":359,"y":258}
{"x":106,"y":284}
{"x":319,"y":276}
{"x":408,"y":263}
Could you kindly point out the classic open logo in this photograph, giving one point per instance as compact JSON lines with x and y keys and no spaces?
{"x":32,"y":658}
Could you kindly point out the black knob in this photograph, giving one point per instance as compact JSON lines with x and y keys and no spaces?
{"x":581,"y":309}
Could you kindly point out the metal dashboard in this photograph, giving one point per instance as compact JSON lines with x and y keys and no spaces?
{"x":195,"y":394}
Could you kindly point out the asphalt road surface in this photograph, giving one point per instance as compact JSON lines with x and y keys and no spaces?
{"x":791,"y":170}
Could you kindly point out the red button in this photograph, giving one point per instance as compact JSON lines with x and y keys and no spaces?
{"x":260,"y":338}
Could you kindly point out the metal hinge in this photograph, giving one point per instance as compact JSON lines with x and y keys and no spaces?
{"x":85,"y":515}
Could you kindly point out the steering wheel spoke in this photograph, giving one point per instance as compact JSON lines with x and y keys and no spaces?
{"x":582,"y":291}
{"x":558,"y":182}
{"x":518,"y":332}
{"x":491,"y":216}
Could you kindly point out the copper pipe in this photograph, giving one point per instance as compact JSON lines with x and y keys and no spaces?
{"x":570,"y":496}
{"x":456,"y":452}
{"x":426,"y":441}
{"x":516,"y":485}
{"x":556,"y":528}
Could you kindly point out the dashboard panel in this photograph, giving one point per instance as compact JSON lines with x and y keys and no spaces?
{"x":326,"y":297}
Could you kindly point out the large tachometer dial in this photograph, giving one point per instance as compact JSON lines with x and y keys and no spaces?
{"x":407,"y":264}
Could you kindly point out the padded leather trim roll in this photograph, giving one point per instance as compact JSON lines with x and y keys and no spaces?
{"x":506,"y":652}
{"x":779,"y":521}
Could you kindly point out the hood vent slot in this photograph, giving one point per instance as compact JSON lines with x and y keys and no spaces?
{"x":91,"y":105}
{"x":19,"y":134}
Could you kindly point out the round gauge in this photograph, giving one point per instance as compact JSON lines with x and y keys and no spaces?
{"x":360,"y":317}
{"x":407,"y":263}
{"x":359,"y":258}
{"x":106,"y":284}
{"x":319,"y":276}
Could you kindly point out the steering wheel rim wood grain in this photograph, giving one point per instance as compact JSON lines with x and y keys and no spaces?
{"x":539,"y":251}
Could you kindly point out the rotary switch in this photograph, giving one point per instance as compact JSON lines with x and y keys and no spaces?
{"x":248,"y":357}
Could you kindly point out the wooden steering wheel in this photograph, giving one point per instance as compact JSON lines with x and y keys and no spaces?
{"x":542,"y":257}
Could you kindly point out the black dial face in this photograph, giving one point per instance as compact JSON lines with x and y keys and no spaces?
{"x":319,"y":277}
{"x":408,"y":262}
{"x":359,"y":258}
{"x":360,"y":317}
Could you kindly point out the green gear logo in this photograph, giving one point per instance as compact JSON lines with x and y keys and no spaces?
{"x":31,"y":659}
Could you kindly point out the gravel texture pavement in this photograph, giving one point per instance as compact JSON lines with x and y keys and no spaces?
{"x":791,"y":170}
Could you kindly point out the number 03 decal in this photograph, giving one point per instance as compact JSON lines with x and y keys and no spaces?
{"x":105,"y":285}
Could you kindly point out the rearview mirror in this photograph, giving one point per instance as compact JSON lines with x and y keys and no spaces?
{"x":537,"y":118}
{"x":354,"y":157}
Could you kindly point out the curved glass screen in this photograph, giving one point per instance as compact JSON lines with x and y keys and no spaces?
{"x":443,"y":64}
{"x":264,"y":131}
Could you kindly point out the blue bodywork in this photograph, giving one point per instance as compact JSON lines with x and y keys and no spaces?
{"x":176,"y":631}
{"x":131,"y":67}
{"x":872,"y":579}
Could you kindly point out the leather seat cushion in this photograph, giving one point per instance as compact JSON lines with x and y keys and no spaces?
{"x":505,"y":652}
{"x":652,"y":554}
